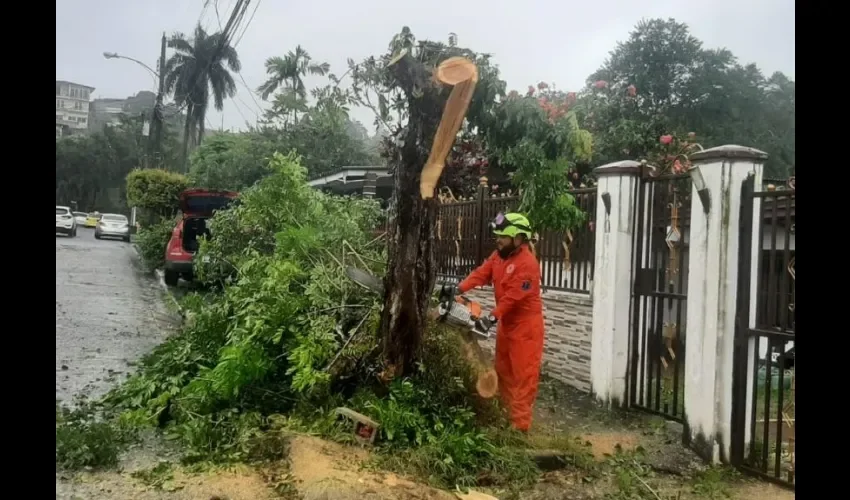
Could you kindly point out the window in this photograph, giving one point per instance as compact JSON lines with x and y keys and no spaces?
{"x":62,"y":211}
{"x":58,"y":89}
{"x":60,"y":104}
{"x":86,"y":95}
{"x":60,"y":117}
{"x":78,"y":106}
{"x":81,"y":119}
{"x":114,"y":218}
{"x":75,"y":92}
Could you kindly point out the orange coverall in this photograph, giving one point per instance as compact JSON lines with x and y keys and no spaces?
{"x":519,"y":331}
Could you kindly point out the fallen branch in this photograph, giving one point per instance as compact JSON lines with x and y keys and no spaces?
{"x":645,"y":485}
{"x":347,"y":342}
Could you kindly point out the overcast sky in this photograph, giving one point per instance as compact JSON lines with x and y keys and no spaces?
{"x":532,"y":40}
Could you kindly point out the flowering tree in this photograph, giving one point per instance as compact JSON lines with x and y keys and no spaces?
{"x":672,"y":155}
{"x":536,"y":137}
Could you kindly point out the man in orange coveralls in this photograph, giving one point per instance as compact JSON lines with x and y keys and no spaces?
{"x":515,"y":274}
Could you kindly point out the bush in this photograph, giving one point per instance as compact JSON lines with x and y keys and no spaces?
{"x":156,"y":192}
{"x":84,"y":440}
{"x":151,"y":241}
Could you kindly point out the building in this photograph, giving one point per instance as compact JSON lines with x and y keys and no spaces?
{"x":72,"y":108}
{"x":107,"y":112}
{"x":368,"y":181}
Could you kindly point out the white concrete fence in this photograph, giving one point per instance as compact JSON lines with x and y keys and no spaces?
{"x":712,"y":288}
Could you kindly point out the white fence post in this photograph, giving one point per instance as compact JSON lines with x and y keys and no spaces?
{"x":612,"y":285}
{"x":718,"y":175}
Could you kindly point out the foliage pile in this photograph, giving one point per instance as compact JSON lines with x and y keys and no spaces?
{"x":85,"y":440}
{"x":290,"y":334}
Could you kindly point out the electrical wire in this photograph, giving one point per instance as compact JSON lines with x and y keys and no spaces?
{"x":256,"y":6}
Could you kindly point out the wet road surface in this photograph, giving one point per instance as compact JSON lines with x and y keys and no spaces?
{"x":108,"y":314}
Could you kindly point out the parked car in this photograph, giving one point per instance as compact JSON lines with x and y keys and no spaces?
{"x":91,"y":220}
{"x":65,"y":223}
{"x":80,"y":218}
{"x":196,"y":205}
{"x":113,"y":225}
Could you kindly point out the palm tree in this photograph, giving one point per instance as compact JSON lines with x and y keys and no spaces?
{"x":197,"y":71}
{"x":288,"y":71}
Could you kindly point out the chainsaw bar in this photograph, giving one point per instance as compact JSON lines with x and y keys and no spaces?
{"x":364,"y":279}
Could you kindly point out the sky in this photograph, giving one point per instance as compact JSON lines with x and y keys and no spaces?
{"x":556,"y":41}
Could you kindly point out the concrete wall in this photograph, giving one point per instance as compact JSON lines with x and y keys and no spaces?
{"x":569,"y":320}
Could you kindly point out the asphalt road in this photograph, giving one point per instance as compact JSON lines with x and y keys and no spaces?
{"x":108,"y":314}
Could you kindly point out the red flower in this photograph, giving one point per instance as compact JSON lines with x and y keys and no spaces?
{"x":631,"y":90}
{"x":530,"y":90}
{"x":542,"y":85}
{"x":591,"y":225}
{"x":600,"y":84}
{"x":666,"y":139}
{"x":678,"y":168}
{"x":571,"y":96}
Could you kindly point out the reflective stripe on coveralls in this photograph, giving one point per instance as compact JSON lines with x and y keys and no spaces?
{"x":519,"y":333}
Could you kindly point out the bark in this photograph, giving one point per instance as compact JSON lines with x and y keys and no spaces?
{"x":410,"y":276}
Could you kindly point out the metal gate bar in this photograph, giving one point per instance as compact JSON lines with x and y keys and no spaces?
{"x":757,"y":443}
{"x":658,"y":311}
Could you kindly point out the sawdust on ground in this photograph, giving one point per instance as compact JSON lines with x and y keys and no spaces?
{"x":605,"y":444}
{"x":324,"y":470}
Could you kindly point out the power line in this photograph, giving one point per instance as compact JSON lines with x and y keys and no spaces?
{"x":256,"y":6}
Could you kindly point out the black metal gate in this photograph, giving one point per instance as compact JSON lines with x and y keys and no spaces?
{"x":659,"y":297}
{"x":763,"y":409}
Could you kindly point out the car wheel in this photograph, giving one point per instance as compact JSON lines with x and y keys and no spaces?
{"x":171,"y":278}
{"x":96,"y":236}
{"x":73,"y":233}
{"x":127,"y":239}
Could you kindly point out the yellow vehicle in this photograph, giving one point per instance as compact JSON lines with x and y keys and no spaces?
{"x":93,"y":219}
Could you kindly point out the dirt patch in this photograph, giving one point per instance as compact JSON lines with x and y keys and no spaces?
{"x":605,"y":444}
{"x":242,"y":484}
{"x":324,"y":470}
{"x":755,"y":490}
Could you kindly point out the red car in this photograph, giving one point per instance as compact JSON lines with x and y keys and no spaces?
{"x":196,"y":205}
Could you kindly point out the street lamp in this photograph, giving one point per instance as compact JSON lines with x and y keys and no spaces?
{"x":115,"y":55}
{"x":155,"y":141}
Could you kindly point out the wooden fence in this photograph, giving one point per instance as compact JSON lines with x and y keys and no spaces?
{"x":464,"y":240}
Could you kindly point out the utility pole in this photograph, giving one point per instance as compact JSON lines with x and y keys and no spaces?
{"x":157,"y":119}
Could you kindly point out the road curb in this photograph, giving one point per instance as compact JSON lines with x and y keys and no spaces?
{"x":160,"y":278}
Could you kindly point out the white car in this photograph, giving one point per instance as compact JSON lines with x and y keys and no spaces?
{"x":80,"y":217}
{"x":65,"y":223}
{"x":113,"y":225}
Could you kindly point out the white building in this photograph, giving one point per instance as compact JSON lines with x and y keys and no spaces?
{"x":72,"y":108}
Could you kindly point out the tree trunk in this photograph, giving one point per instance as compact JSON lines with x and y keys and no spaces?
{"x":184,"y":157}
{"x":409,"y":281}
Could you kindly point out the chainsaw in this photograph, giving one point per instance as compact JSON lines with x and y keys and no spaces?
{"x":454,"y":309}
{"x":459,"y":310}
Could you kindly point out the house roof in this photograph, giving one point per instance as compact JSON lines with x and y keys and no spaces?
{"x":77,"y":84}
